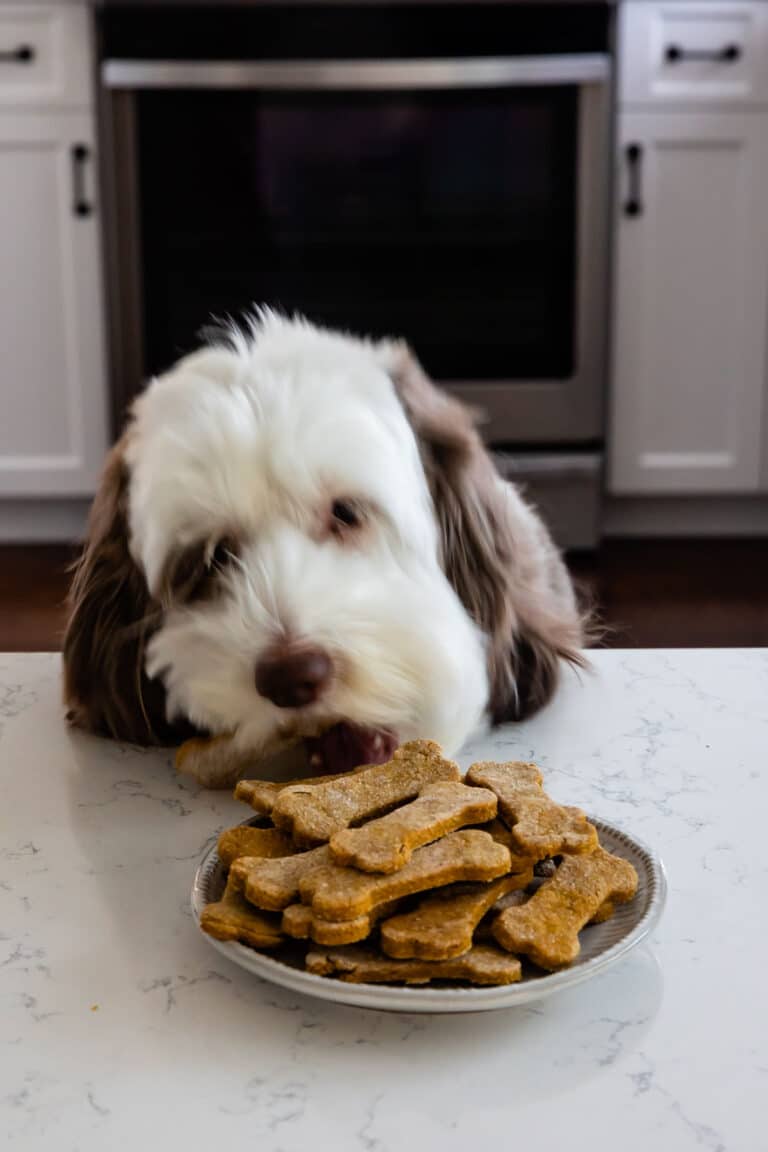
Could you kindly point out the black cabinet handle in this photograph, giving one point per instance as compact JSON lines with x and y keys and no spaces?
{"x":728,"y":54}
{"x":633,"y":205}
{"x":80,"y":203}
{"x":24,"y":54}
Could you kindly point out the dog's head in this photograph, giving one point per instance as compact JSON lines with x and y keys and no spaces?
{"x":299,"y":536}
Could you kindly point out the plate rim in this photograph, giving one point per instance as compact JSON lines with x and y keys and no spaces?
{"x":422,"y":998}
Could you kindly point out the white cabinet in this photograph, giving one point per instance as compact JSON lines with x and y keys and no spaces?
{"x":53,"y":386}
{"x":682,"y":52}
{"x":691,"y":303}
{"x":53,"y":430}
{"x":45,"y":56}
{"x":689,"y":379}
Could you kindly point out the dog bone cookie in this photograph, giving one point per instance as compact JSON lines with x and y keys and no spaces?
{"x":214,"y":761}
{"x":502,"y":835}
{"x":246,"y":841}
{"x":538,"y":824}
{"x":274,"y":884}
{"x":233,"y":918}
{"x":355,"y":965}
{"x":313,"y":812}
{"x":338,"y":893}
{"x":604,"y":912}
{"x":387,"y":844}
{"x":262,"y":794}
{"x":546,"y":928}
{"x":443,"y":925}
{"x":483,"y":933}
{"x":300,"y":922}
{"x":297,"y":921}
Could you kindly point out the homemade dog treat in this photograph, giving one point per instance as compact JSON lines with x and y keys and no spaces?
{"x":300,"y":922}
{"x":297,"y":921}
{"x":546,"y":928}
{"x":246,"y":841}
{"x":215,"y":761}
{"x":233,"y":918}
{"x":502,"y":835}
{"x":407,"y":874}
{"x":604,"y":912}
{"x":338,"y":893}
{"x":274,"y":884}
{"x":262,"y":794}
{"x":481,"y":965}
{"x":442,"y":925}
{"x":539,"y":825}
{"x":483,"y":933}
{"x":387,"y":844}
{"x":313,"y":812}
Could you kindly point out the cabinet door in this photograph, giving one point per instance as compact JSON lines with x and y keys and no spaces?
{"x":691,"y":303}
{"x":53,"y":428}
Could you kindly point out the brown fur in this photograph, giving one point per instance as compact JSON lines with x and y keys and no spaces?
{"x":111,"y":617}
{"x":496,"y":552}
{"x":192,"y":572}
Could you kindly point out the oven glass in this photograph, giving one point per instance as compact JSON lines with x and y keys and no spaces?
{"x":446,"y":217}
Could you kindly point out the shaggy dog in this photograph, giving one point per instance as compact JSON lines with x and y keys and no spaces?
{"x":299,"y":539}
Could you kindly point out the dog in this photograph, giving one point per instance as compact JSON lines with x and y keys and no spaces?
{"x":301,"y":541}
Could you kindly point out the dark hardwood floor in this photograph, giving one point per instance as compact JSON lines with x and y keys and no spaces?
{"x":647,"y":593}
{"x":33,"y":586}
{"x":679,"y":594}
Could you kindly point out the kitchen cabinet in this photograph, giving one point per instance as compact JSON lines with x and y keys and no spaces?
{"x":53,"y":428}
{"x":690,"y":326}
{"x":691,"y":302}
{"x":53,"y":398}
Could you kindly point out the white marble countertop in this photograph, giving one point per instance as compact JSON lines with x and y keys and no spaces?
{"x":121,"y":1029}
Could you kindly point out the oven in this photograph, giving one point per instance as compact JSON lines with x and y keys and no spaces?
{"x":432,"y":171}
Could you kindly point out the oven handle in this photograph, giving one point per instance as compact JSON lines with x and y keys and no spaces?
{"x":311,"y":75}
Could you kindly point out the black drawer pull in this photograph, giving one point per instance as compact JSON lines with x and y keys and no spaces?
{"x":80,"y":204}
{"x":633,"y":205}
{"x":24,"y":54}
{"x":728,"y":54}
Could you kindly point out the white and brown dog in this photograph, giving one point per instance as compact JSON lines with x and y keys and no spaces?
{"x":299,"y":536}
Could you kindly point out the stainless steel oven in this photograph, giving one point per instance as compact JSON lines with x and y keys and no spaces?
{"x":435,"y":172}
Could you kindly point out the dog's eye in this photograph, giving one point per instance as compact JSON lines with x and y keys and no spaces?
{"x":345,"y":516}
{"x":192,"y":573}
{"x":223,"y":554}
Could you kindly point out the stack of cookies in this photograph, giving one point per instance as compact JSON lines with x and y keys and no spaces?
{"x":408,"y":873}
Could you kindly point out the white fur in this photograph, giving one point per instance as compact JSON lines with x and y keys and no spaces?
{"x":257,"y":437}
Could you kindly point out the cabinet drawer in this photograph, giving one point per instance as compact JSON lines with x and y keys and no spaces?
{"x":44,"y":56}
{"x":687,"y":53}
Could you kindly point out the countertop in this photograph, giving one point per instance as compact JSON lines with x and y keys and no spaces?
{"x":123,"y":1030}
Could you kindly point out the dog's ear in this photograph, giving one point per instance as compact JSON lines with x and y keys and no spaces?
{"x":496,"y":552}
{"x":110,"y":618}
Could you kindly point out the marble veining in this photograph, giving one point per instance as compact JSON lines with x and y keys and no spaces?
{"x":122,"y":1029}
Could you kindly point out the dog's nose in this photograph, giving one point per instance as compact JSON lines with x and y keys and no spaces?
{"x":293,"y":677}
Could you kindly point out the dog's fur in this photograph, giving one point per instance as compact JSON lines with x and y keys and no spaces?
{"x":212,"y":537}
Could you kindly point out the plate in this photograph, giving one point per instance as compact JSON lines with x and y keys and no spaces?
{"x":601,"y":946}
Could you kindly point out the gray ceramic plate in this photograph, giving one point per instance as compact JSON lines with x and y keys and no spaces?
{"x":601,"y":946}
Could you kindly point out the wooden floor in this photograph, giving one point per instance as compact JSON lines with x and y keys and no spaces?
{"x":679,"y":594}
{"x":647,"y":593}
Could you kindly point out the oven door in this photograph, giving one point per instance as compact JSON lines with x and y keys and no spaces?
{"x":459,"y":203}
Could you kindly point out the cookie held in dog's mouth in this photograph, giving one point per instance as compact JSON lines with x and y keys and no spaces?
{"x":346,"y":746}
{"x":219,"y":761}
